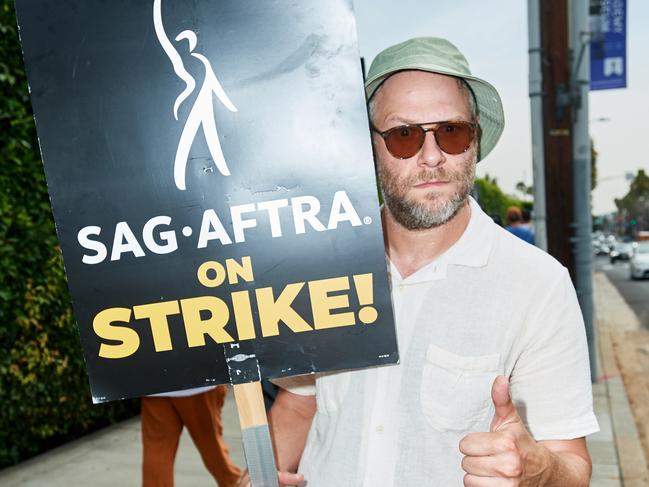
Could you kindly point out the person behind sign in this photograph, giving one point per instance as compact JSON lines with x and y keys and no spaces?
{"x":493,"y":387}
{"x":163,"y":417}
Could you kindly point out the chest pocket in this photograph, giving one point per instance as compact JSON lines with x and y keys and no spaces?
{"x":455,"y":390}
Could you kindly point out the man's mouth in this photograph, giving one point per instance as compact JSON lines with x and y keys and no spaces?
{"x":431,"y":184}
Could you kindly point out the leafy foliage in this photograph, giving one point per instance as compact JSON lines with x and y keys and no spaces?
{"x":44,"y":395}
{"x":635,"y":204}
{"x":492,"y":199}
{"x":524,"y":189}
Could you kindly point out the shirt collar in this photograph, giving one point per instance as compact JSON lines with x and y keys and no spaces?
{"x":474,"y":246}
{"x":472,"y":249}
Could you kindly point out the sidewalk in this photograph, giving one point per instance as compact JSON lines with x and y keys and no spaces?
{"x":617,"y":453}
{"x":112,"y":457}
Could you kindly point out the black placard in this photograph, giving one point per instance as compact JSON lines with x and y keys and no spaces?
{"x":193,"y":262}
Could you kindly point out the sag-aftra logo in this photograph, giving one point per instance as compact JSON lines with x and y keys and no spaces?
{"x":202,"y":112}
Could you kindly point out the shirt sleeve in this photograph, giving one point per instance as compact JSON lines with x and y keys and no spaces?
{"x":302,"y":385}
{"x":550,"y":382}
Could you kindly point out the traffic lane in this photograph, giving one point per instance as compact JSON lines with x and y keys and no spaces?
{"x":635,"y":293}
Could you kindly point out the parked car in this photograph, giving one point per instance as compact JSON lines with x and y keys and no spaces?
{"x":620,"y":251}
{"x":600,"y":248}
{"x":639,"y":263}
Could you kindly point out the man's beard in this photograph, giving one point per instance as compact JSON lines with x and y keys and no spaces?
{"x":437,"y":210}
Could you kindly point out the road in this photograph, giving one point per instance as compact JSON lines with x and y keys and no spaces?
{"x":636,"y":293}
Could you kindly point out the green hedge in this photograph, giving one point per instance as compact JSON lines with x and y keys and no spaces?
{"x":492,"y":199}
{"x":44,"y":395}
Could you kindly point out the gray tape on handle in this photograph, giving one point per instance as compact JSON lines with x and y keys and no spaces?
{"x":259,"y":456}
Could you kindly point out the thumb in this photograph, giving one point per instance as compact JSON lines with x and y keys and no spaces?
{"x":505,"y":411}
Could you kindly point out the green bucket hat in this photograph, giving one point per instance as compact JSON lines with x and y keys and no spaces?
{"x":440,"y":56}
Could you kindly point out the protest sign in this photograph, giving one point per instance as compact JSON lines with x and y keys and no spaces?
{"x":211,"y":177}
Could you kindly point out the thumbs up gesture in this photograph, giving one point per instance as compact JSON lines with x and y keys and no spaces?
{"x":507,"y":455}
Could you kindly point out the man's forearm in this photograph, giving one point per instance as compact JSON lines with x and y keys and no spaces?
{"x":566,"y":469}
{"x":290,"y":420}
{"x":551,"y":468}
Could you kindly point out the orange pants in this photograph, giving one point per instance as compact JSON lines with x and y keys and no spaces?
{"x":162,"y":422}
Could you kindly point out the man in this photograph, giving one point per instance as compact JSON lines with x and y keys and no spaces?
{"x":478,"y":312}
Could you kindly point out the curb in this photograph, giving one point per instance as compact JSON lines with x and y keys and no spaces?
{"x":616,"y":354}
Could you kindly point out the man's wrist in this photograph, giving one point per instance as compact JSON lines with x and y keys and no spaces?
{"x":539,"y":466}
{"x":547,"y":468}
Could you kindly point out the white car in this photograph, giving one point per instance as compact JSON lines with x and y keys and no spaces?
{"x":639,"y":263}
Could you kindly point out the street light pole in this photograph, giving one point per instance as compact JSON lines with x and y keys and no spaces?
{"x":536,"y":112}
{"x":581,"y":167}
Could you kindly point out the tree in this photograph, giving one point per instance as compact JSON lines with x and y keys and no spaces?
{"x":493,"y":200}
{"x":44,"y":396}
{"x":635,"y":204}
{"x":525,"y":189}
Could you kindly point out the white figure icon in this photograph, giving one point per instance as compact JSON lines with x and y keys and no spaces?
{"x":202,"y":112}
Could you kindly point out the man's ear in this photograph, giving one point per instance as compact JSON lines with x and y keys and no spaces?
{"x":372,"y":138}
{"x":376,"y":168}
{"x":479,"y":130}
{"x":374,"y":156}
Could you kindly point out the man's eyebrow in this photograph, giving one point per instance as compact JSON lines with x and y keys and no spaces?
{"x":405,"y":120}
{"x":398,"y":118}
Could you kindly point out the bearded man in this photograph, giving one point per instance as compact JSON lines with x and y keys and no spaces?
{"x":493,"y":387}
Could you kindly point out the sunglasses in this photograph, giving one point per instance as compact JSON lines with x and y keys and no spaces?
{"x":404,"y":141}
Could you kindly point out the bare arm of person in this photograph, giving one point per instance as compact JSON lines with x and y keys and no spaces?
{"x":569,"y":460}
{"x":290,"y":420}
{"x":507,"y":455}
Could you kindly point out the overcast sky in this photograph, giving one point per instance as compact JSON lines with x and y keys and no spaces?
{"x":493,"y":36}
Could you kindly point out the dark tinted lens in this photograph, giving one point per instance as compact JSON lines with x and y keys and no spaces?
{"x":454,"y":137}
{"x":404,"y":141}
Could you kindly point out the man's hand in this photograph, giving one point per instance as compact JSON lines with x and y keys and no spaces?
{"x":507,"y":455}
{"x":285,"y":479}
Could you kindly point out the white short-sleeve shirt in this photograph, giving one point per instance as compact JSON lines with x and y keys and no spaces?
{"x":492,"y":304}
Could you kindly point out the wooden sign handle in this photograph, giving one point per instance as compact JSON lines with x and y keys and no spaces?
{"x":257,"y":444}
{"x":250,"y":404}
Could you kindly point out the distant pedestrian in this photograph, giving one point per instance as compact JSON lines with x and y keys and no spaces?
{"x":526,"y":215}
{"x":516,"y":226}
{"x":163,"y":419}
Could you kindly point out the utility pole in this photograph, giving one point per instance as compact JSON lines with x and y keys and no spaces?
{"x":536,"y":114}
{"x":566,"y":169}
{"x":557,"y":130}
{"x":581,"y":169}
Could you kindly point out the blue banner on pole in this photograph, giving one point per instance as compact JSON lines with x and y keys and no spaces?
{"x":608,"y":63}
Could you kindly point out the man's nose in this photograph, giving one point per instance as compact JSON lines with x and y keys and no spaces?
{"x":430,"y":154}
